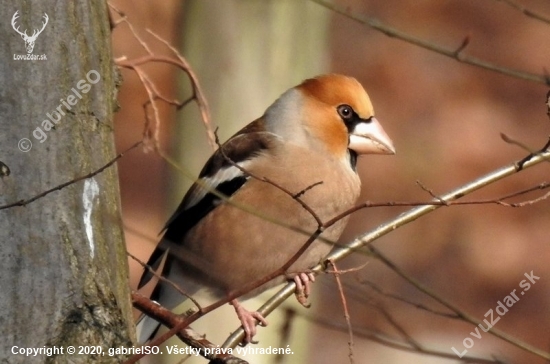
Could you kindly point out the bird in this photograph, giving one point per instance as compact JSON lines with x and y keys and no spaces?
{"x":302,"y":152}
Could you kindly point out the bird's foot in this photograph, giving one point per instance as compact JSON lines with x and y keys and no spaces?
{"x":303,"y":287}
{"x":248,"y":321}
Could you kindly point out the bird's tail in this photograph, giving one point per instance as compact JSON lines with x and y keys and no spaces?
{"x":146,"y":328}
{"x":164,"y":293}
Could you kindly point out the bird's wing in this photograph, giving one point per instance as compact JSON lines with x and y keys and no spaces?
{"x":219,"y":174}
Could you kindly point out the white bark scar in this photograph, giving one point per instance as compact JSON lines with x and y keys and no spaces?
{"x":91,"y":190}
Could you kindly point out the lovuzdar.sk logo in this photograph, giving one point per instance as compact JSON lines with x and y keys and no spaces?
{"x":29,"y":39}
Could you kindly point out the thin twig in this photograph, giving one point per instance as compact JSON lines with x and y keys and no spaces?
{"x":294,"y":196}
{"x":73,"y":181}
{"x":237,"y":293}
{"x":243,"y":207}
{"x":239,"y":334}
{"x":152,"y":92}
{"x":206,"y":348}
{"x":391,"y":342}
{"x":402,"y":332}
{"x":346,"y":271}
{"x":391,"y":225}
{"x":455,"y":54}
{"x":345,"y":307}
{"x":523,"y":146}
{"x":197,"y":90}
{"x":431,"y":193}
{"x":406,"y":301}
{"x":518,"y":143}
{"x":439,"y":203}
{"x":463,"y":315}
{"x":526,"y":11}
{"x":161,"y":278}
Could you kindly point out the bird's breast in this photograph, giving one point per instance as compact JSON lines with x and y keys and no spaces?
{"x":264,"y":224}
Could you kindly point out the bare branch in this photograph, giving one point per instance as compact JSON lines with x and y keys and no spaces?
{"x":243,"y":207}
{"x":73,"y":181}
{"x":455,"y":54}
{"x":294,"y":196}
{"x":462,"y":46}
{"x":186,"y":334}
{"x":432,"y":193}
{"x":153,"y":94}
{"x":394,"y":343}
{"x":404,"y":334}
{"x":424,"y":207}
{"x":526,"y":11}
{"x":462,"y":314}
{"x":439,"y":202}
{"x":161,"y":278}
{"x":405,"y":218}
{"x":197,"y":90}
{"x":528,"y":202}
{"x":238,"y":335}
{"x":509,"y":140}
{"x":406,"y":301}
{"x":345,"y":307}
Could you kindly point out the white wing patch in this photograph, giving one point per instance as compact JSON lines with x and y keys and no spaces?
{"x":208,"y":184}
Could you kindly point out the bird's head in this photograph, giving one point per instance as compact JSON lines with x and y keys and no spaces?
{"x":337,"y":110}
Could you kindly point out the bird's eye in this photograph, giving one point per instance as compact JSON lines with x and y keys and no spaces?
{"x":345,"y":112}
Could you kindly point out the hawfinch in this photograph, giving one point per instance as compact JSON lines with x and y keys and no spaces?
{"x":307,"y":142}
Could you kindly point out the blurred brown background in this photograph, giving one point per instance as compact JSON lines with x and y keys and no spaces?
{"x":444,"y":117}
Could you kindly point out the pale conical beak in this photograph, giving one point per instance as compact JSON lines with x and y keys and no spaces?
{"x":370,"y":138}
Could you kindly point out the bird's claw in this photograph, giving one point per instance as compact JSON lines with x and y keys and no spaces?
{"x":303,"y":287}
{"x":248,"y":321}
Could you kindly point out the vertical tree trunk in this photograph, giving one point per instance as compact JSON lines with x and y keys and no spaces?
{"x":63,"y":275}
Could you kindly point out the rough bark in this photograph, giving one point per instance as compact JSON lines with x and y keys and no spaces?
{"x":63,"y":272}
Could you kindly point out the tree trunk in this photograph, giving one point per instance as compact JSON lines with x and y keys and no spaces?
{"x":64,"y":271}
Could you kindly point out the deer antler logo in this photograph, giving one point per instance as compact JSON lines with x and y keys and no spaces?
{"x":29,"y":40}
